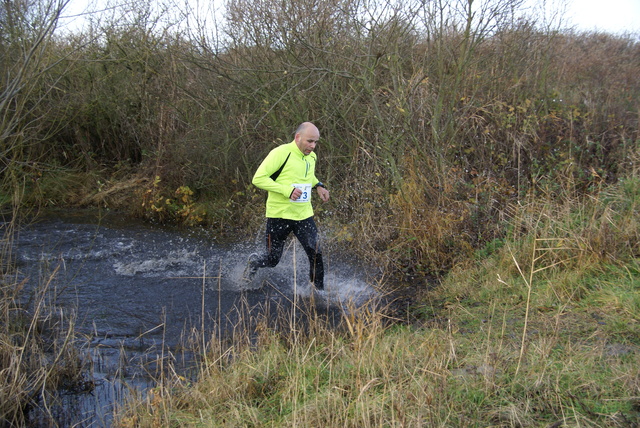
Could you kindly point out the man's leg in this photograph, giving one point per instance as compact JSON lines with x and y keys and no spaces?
{"x":276,"y":234}
{"x":307,"y":234}
{"x":275,"y":237}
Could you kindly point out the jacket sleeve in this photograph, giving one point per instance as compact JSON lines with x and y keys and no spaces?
{"x":315,"y":180}
{"x":270,"y":164}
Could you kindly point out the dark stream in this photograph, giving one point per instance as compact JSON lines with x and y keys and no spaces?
{"x":138,"y":291}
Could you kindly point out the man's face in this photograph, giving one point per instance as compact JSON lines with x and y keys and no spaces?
{"x":307,"y":139}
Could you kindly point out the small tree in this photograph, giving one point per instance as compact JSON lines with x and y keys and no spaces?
{"x":26,"y":33}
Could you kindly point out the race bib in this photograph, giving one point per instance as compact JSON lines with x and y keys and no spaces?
{"x":306,"y":192}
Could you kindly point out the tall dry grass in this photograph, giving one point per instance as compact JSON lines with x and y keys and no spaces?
{"x":40,"y":351}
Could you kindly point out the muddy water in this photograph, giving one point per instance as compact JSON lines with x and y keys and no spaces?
{"x":136,"y":292}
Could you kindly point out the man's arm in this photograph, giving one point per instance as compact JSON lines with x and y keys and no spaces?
{"x":262,"y":178}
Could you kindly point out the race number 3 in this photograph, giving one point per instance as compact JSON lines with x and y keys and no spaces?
{"x":306,"y":192}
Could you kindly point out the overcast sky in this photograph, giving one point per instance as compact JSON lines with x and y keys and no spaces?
{"x":607,"y":15}
{"x":614,"y":16}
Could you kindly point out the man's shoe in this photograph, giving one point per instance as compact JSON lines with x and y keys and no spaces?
{"x":251,"y":269}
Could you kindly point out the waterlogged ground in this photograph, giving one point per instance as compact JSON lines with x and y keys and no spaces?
{"x":137,"y":292}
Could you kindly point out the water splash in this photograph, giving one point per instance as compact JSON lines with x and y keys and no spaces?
{"x":177,"y":263}
{"x":344,"y":283}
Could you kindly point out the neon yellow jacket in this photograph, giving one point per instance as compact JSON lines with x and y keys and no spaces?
{"x":299,"y":169}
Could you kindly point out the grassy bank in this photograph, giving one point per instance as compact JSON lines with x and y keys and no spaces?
{"x":541,"y":329}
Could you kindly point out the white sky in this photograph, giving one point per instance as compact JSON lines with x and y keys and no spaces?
{"x":614,"y":16}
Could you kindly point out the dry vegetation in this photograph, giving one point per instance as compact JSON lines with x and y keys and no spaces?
{"x":541,"y":329}
{"x":459,"y":139}
{"x":40,"y":353}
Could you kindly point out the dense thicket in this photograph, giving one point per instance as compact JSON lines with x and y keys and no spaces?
{"x":436,"y":117}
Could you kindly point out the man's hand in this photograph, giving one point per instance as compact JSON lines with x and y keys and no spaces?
{"x":323,"y":193}
{"x":295,"y":194}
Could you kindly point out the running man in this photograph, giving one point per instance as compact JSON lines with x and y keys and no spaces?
{"x":288,"y":175}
